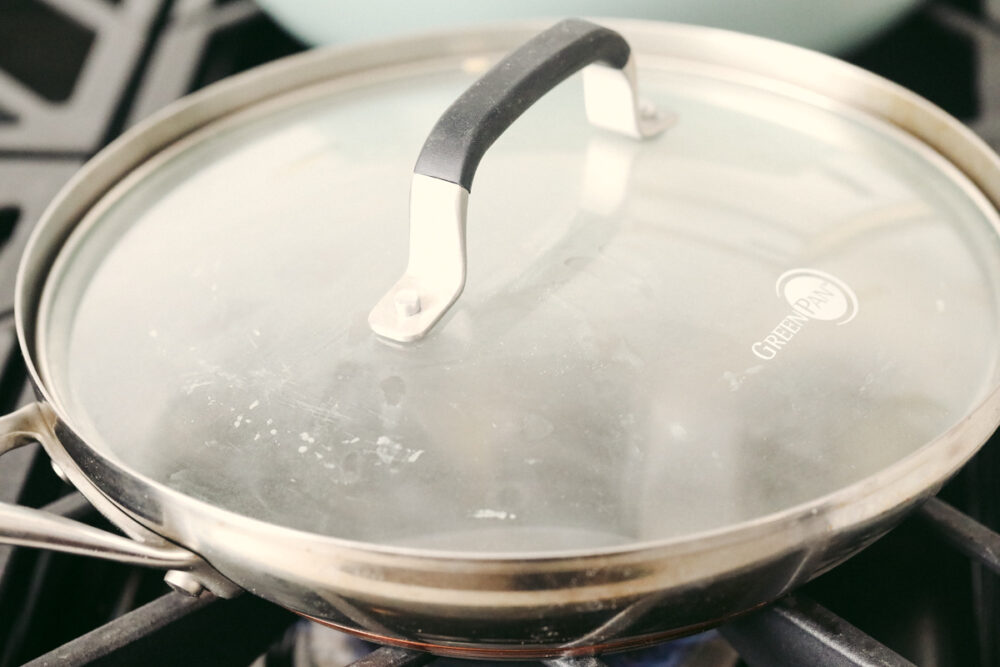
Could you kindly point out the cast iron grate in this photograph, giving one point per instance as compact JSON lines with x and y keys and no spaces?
{"x":33,"y":27}
{"x":123,"y":59}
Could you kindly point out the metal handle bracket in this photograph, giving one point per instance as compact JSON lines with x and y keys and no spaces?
{"x":29,"y":527}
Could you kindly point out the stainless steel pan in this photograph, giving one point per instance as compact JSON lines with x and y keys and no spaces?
{"x":494,"y":602}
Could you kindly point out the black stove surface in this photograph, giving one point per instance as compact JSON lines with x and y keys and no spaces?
{"x":76,"y":73}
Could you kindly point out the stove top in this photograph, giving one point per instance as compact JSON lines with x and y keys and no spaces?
{"x":75,"y":73}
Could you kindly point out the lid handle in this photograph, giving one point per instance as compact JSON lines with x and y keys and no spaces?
{"x":442,"y":178}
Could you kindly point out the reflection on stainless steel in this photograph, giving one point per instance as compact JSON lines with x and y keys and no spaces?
{"x":393,"y":657}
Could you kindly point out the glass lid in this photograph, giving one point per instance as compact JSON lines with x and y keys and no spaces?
{"x":773,"y":299}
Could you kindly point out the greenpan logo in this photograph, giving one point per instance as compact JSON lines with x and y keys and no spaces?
{"x":812,"y":295}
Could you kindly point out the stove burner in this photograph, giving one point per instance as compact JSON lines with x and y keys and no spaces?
{"x":313,"y":645}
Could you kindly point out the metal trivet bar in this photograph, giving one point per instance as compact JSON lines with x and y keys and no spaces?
{"x":179,"y":630}
{"x":963,"y":532}
{"x":797,"y":631}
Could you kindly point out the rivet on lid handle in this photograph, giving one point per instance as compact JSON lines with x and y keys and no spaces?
{"x":442,"y":178}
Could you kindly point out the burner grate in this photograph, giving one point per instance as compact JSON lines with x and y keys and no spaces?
{"x":176,"y":629}
{"x":797,"y":631}
{"x":964,"y":533}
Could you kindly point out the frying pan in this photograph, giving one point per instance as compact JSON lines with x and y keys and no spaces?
{"x":706,"y":361}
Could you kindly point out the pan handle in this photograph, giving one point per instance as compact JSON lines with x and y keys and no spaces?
{"x":442,"y":178}
{"x":28,"y":527}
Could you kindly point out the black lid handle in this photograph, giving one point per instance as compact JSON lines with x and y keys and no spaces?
{"x":446,"y":166}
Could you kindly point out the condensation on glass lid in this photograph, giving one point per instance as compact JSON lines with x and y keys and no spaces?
{"x":659,"y":338}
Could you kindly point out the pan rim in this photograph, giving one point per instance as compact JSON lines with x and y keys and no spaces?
{"x":924,"y":469}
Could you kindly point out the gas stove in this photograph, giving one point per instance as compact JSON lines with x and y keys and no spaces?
{"x":75,"y":73}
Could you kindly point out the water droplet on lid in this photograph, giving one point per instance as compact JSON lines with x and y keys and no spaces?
{"x":393,"y":388}
{"x":536,"y":427}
